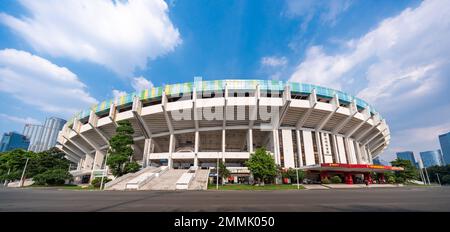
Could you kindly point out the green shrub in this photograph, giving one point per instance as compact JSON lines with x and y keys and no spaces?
{"x":336,"y":180}
{"x":399,"y":180}
{"x":98,"y":180}
{"x":326,"y":181}
{"x":52,"y":177}
{"x":391,"y":180}
{"x":445,"y":179}
{"x":132,"y":167}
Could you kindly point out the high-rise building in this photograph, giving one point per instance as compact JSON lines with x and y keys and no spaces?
{"x":444,"y":140}
{"x":407,"y":155}
{"x":377,"y":160}
{"x":43,"y":137}
{"x":432,"y":158}
{"x":13,"y":140}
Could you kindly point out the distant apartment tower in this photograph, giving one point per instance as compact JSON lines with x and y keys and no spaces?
{"x":407,"y":155}
{"x":444,"y":140}
{"x":432,"y":158}
{"x":13,"y":140}
{"x":43,"y":137}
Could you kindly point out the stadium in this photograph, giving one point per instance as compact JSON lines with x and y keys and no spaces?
{"x":181,"y":131}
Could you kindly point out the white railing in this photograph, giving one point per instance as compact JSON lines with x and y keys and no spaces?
{"x":183,"y":181}
{"x":126,"y":176}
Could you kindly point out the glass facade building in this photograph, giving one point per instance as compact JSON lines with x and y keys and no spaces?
{"x":43,"y":137}
{"x":13,"y":140}
{"x":432,"y":158}
{"x":444,"y":140}
{"x":407,"y":155}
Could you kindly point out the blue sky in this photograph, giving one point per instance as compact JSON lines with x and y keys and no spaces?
{"x":57,"y":57}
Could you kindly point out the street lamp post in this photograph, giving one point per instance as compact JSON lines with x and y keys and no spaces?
{"x":103,"y":174}
{"x":217,"y":174}
{"x":23,"y":173}
{"x":438,"y":179}
{"x":428,"y":177}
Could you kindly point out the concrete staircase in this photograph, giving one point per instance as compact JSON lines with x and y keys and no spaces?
{"x":120,"y":183}
{"x":200,"y":181}
{"x":166,"y":181}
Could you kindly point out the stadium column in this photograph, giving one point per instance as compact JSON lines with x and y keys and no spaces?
{"x":276,"y":146}
{"x":319,"y":146}
{"x":358,"y":153}
{"x":299,"y":149}
{"x":171,"y":130}
{"x":98,"y":159}
{"x":87,"y":162}
{"x":369,"y":154}
{"x":335,"y":148}
{"x":335,"y":103}
{"x":196,"y":145}
{"x":223,"y":145}
{"x":196,"y":124}
{"x":250,"y":141}
{"x":137,"y":110}
{"x":147,"y":151}
{"x":224,"y":124}
{"x":171,"y":146}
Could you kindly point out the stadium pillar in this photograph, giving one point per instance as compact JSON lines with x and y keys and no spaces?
{"x":276,"y":147}
{"x":319,"y":146}
{"x":250,"y":141}
{"x":171,"y":146}
{"x":98,"y":159}
{"x":196,"y":144}
{"x":335,"y":149}
{"x":147,"y":151}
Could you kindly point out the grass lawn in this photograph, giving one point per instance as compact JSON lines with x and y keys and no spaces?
{"x":67,"y":186}
{"x":254,"y":187}
{"x":76,"y":187}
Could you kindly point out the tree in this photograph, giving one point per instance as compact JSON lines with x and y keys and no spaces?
{"x":52,"y":177}
{"x":46,"y":160}
{"x":442,"y":171}
{"x":120,"y":151}
{"x":12,"y":164}
{"x":262,"y":165}
{"x":409,"y":173}
{"x":445,"y":179}
{"x":223,"y":171}
{"x":48,"y":167}
{"x":292,"y":174}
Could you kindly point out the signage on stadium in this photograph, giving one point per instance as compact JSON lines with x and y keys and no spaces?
{"x":371,"y":166}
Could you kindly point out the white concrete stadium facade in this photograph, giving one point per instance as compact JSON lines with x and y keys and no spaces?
{"x":195,"y":124}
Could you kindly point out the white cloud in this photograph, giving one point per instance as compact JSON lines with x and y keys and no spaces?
{"x":273,"y":61}
{"x":401,"y":67}
{"x":326,"y":10}
{"x":120,"y":35}
{"x":27,"y":120}
{"x":406,"y":49}
{"x":118,"y":93}
{"x":140,"y":83}
{"x":38,"y":82}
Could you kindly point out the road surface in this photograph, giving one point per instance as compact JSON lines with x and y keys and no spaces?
{"x":381,"y":199}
